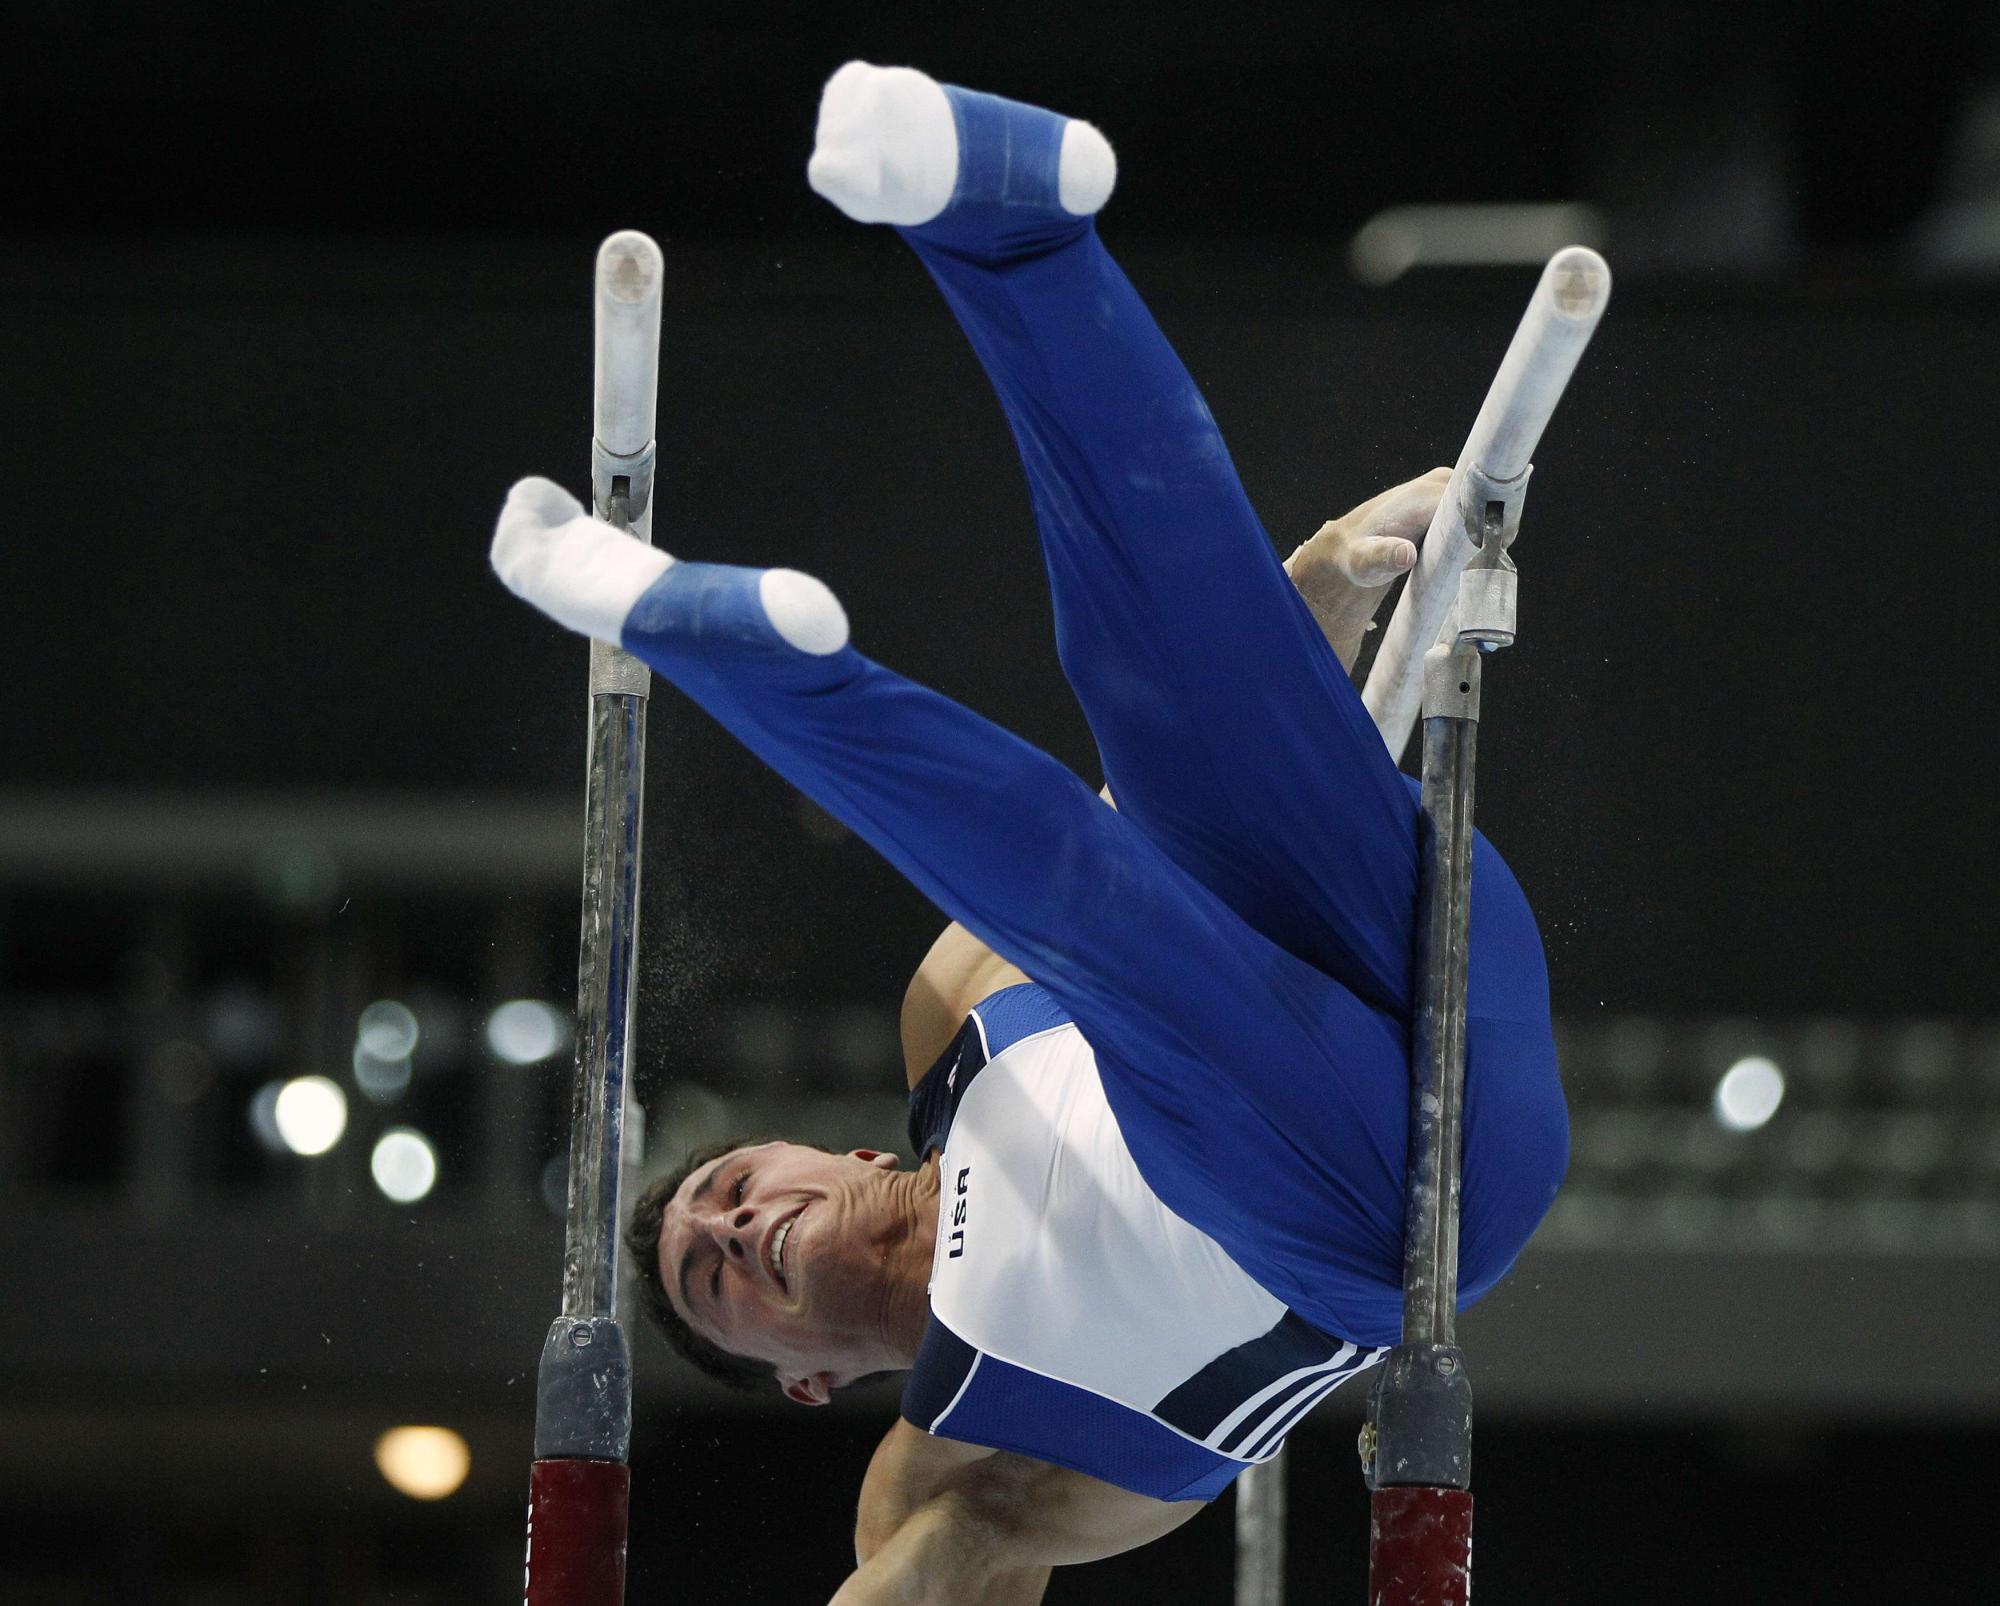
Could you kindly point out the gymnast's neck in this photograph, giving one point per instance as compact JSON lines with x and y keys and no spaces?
{"x":906,"y":1304}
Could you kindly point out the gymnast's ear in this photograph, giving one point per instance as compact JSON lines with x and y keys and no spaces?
{"x":814,"y":1390}
{"x":876,"y":1158}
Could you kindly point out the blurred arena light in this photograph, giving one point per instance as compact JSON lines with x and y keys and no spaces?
{"x":1959,"y":233}
{"x":524,"y":1031}
{"x":388,"y":1030}
{"x":1498,"y":235}
{"x":310,"y":1113}
{"x":264,"y":1117}
{"x":1749,"y":1094}
{"x":404,"y":1164}
{"x":383,"y":1080}
{"x":425,"y":1463}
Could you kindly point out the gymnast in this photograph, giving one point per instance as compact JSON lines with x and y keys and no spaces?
{"x":1156,"y":1210}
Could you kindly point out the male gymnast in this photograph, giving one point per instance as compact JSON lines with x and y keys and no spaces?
{"x":1157,"y":1209}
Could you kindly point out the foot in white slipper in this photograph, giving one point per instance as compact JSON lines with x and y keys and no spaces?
{"x":578,"y":570}
{"x":596,"y":580}
{"x":895,"y":146}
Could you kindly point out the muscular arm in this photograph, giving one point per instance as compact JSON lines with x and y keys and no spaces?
{"x":949,"y":1522}
{"x":1343,"y":572}
{"x":957,"y":973}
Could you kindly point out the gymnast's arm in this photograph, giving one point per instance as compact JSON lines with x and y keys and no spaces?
{"x":944,"y":1521}
{"x":1343,"y":572}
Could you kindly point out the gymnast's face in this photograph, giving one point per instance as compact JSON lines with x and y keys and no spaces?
{"x":791,"y":1255}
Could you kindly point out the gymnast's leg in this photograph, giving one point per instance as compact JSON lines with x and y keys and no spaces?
{"x":1225,"y":1057}
{"x":1227,"y":729}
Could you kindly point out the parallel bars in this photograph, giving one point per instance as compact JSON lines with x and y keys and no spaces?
{"x":1457,"y":605}
{"x":580,"y":1484}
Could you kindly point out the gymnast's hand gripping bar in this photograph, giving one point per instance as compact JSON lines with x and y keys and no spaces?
{"x":580,"y":1484}
{"x":1490,"y":480}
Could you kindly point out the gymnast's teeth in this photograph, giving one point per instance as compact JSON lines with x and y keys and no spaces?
{"x":778,"y":1247}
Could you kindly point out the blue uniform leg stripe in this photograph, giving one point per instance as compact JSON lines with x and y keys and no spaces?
{"x":1008,"y":200}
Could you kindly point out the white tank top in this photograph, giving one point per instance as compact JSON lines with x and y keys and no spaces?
{"x":1074,"y":1317}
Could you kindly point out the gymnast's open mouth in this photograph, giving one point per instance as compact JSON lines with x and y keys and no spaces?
{"x":775,"y":1245}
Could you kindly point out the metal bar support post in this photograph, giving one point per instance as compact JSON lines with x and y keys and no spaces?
{"x":1260,"y":1534}
{"x":1418,"y":1440}
{"x":580,"y":1484}
{"x":1417,"y":1444}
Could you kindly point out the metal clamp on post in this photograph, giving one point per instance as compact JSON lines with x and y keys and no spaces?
{"x":621,"y":489}
{"x":583,"y":1392}
{"x":1488,"y":587}
{"x":1419,"y":1428}
{"x":1490,"y":508}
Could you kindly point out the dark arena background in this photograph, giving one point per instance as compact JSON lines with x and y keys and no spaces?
{"x":289,"y":787}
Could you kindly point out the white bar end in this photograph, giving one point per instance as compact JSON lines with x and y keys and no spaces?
{"x":630,"y":271}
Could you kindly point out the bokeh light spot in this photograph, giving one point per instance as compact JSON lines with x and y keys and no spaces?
{"x":1749,"y":1094}
{"x":388,"y":1030}
{"x":310,"y":1113}
{"x":525,"y":1030}
{"x":425,"y":1463}
{"x":404,"y":1164}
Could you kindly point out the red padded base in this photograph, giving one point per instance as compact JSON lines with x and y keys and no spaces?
{"x":1419,"y":1547}
{"x":576,"y":1533}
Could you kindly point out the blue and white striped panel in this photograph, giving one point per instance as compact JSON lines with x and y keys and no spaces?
{"x":1246,"y":1399}
{"x":958,"y":1392}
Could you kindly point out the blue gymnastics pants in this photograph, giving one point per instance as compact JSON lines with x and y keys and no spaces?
{"x":1236,"y":939}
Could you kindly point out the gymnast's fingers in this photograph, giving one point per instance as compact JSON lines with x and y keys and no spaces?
{"x":1375,"y":560}
{"x":1404,"y":510}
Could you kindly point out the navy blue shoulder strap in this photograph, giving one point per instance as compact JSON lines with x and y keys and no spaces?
{"x":995,"y":1025}
{"x":934,"y":1100}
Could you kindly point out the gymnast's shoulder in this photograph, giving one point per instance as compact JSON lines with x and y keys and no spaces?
{"x":959,"y":973}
